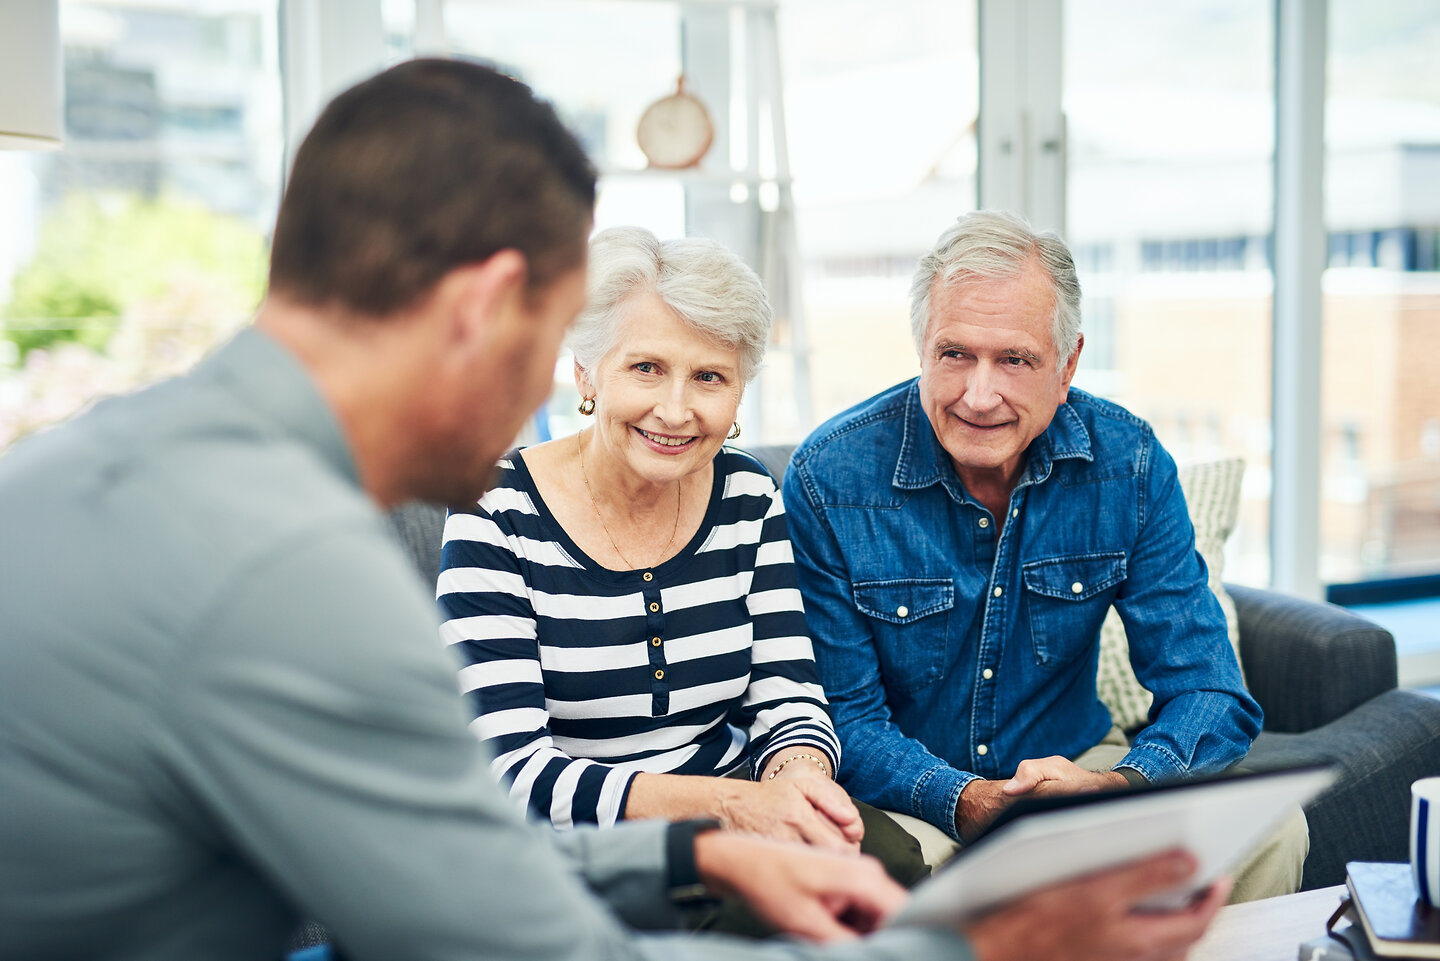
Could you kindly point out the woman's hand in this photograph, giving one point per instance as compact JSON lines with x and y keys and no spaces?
{"x":799,"y":804}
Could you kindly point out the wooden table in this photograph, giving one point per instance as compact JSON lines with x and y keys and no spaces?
{"x":1268,"y":930}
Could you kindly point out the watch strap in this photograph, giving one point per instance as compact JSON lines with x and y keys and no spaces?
{"x":683,"y":875}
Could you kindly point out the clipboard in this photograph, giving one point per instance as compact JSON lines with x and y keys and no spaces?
{"x":1038,"y":842}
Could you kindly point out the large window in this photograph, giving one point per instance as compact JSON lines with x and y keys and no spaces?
{"x":141,"y":243}
{"x":879,"y":103}
{"x":1380,"y":490}
{"x":1380,"y":382}
{"x":882,"y":101}
{"x":600,"y":63}
{"x":133,"y":250}
{"x":1170,"y":216}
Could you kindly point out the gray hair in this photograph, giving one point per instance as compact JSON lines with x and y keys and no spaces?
{"x":711,"y":290}
{"x":990,"y":245}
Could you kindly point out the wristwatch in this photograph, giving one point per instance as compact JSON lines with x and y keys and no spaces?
{"x":682,"y":874}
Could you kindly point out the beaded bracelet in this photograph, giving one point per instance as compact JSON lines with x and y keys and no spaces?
{"x":795,"y":757}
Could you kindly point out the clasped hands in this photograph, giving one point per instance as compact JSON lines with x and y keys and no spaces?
{"x":981,"y":801}
{"x":801,"y":803}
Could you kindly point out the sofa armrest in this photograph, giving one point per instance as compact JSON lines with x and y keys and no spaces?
{"x":1308,"y":663}
{"x":420,"y":529}
{"x":775,"y":457}
{"x":1376,"y":750}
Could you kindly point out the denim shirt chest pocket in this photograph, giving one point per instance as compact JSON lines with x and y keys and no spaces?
{"x":911,"y":620}
{"x":1066,"y":599}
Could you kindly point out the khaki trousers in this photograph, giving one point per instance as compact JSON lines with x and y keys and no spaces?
{"x":1272,"y":869}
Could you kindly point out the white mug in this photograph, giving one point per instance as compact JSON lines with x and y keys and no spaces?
{"x":1425,"y":838}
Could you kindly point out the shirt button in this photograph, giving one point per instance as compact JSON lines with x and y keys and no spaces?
{"x":998,"y":592}
{"x":654,"y":607}
{"x":654,"y":642}
{"x":1077,"y":587}
{"x":982,"y":750}
{"x":659,"y":675}
{"x":902,"y":611}
{"x":648,"y":576}
{"x":1015,"y":512}
{"x":984,"y":522}
{"x":987,"y":673}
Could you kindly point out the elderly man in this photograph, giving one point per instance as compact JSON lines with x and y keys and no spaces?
{"x":961,"y":536}
{"x":222,"y":707}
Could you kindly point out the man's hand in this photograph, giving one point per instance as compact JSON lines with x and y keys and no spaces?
{"x":800,"y":807}
{"x":1057,"y":775}
{"x":1095,"y":918}
{"x":982,"y":801}
{"x":813,"y":894}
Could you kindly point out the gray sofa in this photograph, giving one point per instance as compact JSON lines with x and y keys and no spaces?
{"x":1324,"y":676}
{"x":1326,"y":680}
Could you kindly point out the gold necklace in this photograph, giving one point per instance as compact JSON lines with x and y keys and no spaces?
{"x":595,"y":506}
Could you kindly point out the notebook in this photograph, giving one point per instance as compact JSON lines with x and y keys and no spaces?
{"x":1397,"y":924}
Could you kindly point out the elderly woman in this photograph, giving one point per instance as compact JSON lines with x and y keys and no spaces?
{"x":624,"y":600}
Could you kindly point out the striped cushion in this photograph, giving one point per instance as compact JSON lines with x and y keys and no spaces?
{"x":1212,"y":494}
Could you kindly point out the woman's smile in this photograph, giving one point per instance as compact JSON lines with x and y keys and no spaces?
{"x":670,"y":442}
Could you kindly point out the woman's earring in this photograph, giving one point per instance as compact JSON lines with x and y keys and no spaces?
{"x":734,"y":431}
{"x":587,"y":406}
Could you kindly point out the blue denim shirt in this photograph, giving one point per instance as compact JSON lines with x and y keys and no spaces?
{"x":952,"y":647}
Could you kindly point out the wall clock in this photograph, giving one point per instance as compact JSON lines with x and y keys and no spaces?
{"x":675,"y":131}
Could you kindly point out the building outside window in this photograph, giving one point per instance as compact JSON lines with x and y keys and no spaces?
{"x":1381,"y":379}
{"x":141,"y":243}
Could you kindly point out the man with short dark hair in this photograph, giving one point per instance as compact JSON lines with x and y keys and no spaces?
{"x":222,"y":707}
{"x":960,"y":537}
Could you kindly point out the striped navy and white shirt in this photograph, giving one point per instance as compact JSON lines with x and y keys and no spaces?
{"x":580,"y":677}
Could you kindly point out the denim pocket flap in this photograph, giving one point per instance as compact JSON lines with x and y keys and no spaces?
{"x":1076,"y":577}
{"x":904,"y":600}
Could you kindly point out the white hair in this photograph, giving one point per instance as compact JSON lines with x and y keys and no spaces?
{"x":990,"y":245}
{"x":707,"y":286}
